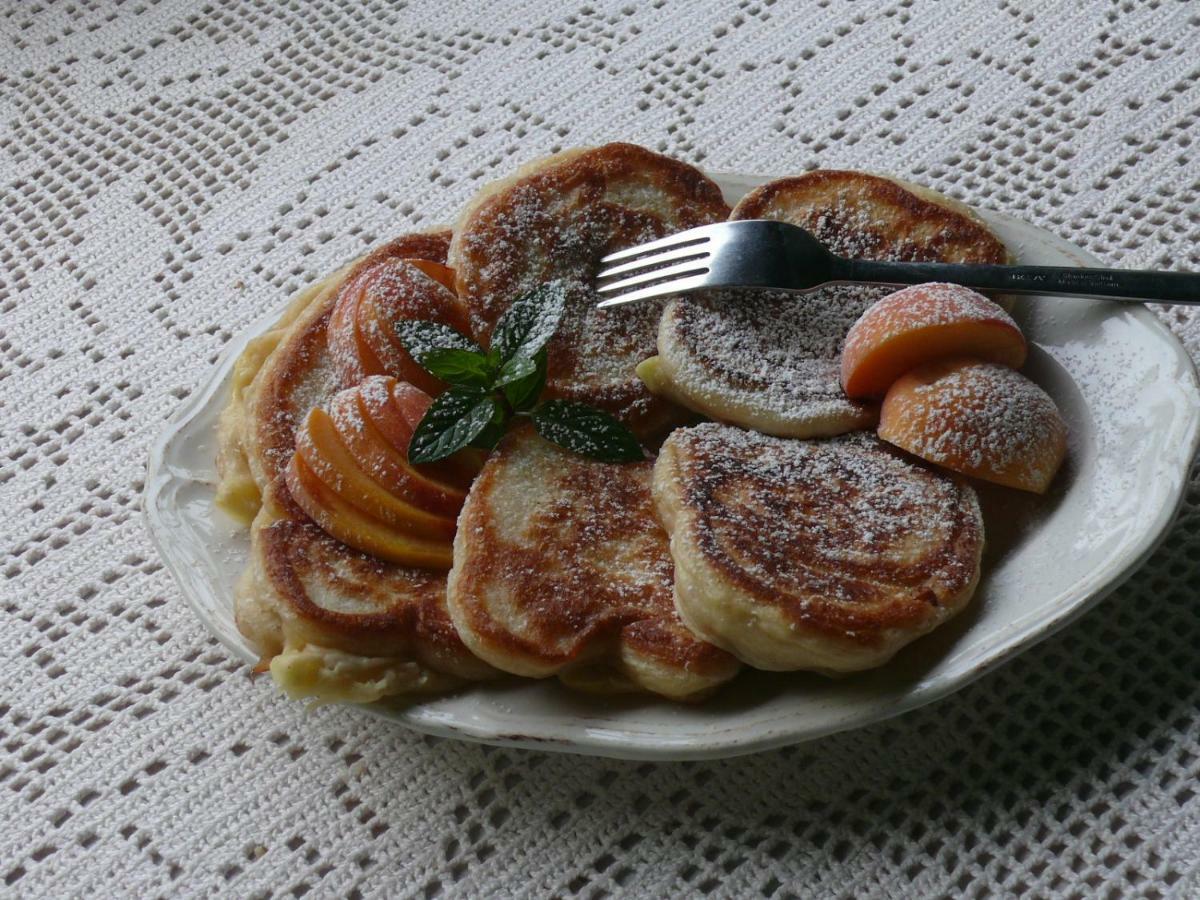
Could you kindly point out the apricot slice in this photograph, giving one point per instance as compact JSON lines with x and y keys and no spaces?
{"x":341,"y":336}
{"x":361,"y":330}
{"x":979,"y":418}
{"x":386,"y":465}
{"x":443,"y":275}
{"x":396,"y":408}
{"x":322,"y":450}
{"x":921,"y":324}
{"x":399,"y":289}
{"x":378,"y":312}
{"x":355,"y":529}
{"x":370,"y":361}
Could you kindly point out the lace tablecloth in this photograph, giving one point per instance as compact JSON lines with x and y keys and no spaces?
{"x":170,"y":170}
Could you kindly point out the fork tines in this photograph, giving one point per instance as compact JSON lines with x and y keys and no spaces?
{"x":643,"y":271}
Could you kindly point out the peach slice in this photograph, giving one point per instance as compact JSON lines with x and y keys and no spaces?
{"x":341,"y":336}
{"x":355,"y":529}
{"x":386,"y":465}
{"x":361,"y":330}
{"x":377,"y":314}
{"x":979,"y":418}
{"x":921,"y":324}
{"x":443,"y":275}
{"x":320,"y":447}
{"x":395,"y":419}
{"x":369,"y":360}
{"x":398,"y":289}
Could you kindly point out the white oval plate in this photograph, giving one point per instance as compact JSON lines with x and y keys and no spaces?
{"x":1127,"y":389}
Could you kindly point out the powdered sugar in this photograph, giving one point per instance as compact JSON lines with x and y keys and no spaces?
{"x":829,"y":519}
{"x":777,"y":353}
{"x":983,"y":416}
{"x":566,"y":564}
{"x":927,"y":306}
{"x":555,"y":222}
{"x":772,"y":351}
{"x":536,"y":244}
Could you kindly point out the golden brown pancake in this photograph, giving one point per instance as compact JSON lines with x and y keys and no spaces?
{"x":555,"y":219}
{"x":332,"y":623}
{"x":336,"y":624}
{"x":560,"y":568}
{"x":824,"y":555}
{"x":769,"y":360}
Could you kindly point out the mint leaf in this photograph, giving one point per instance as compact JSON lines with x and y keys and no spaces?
{"x":452,"y":421}
{"x":420,"y":336}
{"x":586,"y":430}
{"x":514,"y":370}
{"x":490,"y":436}
{"x":530,"y":321}
{"x":523,"y":393}
{"x":494,"y":430}
{"x":464,"y":368}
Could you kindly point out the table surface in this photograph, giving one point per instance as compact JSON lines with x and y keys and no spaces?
{"x":168,"y":171}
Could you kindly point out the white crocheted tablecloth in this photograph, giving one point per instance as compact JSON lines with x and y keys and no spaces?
{"x":169,"y":170}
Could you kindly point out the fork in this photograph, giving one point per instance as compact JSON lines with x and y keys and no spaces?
{"x":765,"y":254}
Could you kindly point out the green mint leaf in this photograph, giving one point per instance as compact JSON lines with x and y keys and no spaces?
{"x":452,"y":421}
{"x":464,"y":368}
{"x":419,"y":337}
{"x":523,"y":393}
{"x":529,"y":323}
{"x":514,"y":370}
{"x":490,"y":436}
{"x":587,"y":431}
{"x":494,"y":430}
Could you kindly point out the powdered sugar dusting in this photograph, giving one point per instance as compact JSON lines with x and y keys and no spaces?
{"x":376,"y":390}
{"x":593,"y":352}
{"x":778,"y":353}
{"x":289,"y":402}
{"x":985,"y":416}
{"x":566,"y":562}
{"x":556,"y":223}
{"x":771,"y":351}
{"x":927,"y":306}
{"x":840,"y":521}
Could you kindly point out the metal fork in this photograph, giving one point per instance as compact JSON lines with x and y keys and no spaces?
{"x":760,"y":253}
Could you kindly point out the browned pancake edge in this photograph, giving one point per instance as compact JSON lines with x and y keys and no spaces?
{"x":862,"y":602}
{"x":569,"y":614}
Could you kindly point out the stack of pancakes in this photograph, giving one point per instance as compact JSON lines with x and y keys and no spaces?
{"x":771,"y":537}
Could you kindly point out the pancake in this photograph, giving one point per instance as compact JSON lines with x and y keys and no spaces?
{"x":560,"y":568}
{"x":330,"y":622}
{"x":769,"y":360}
{"x":555,"y":219}
{"x":291,"y":368}
{"x":820,"y":555}
{"x":333,"y":624}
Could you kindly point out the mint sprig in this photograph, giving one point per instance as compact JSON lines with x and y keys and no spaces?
{"x":489,"y":388}
{"x":585,"y":430}
{"x":462,"y":368}
{"x":523,"y":393}
{"x":529,"y":322}
{"x":452,"y":422}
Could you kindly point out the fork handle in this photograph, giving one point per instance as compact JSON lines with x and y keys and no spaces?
{"x":1132,"y":285}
